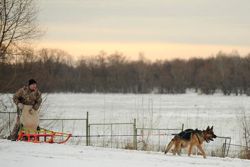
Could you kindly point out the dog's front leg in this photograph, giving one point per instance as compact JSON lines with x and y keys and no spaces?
{"x":202,"y":151}
{"x":175,"y":149}
{"x":190,"y":149}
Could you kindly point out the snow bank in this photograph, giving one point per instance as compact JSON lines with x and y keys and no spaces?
{"x":21,"y":154}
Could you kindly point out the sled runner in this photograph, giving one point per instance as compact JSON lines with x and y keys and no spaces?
{"x":43,"y":136}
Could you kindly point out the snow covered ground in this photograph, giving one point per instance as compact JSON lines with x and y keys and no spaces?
{"x":21,"y":154}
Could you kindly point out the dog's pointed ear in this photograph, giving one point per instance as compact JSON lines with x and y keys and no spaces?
{"x":212,"y":128}
{"x":208,"y":128}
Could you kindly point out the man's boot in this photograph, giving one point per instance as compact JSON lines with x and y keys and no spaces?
{"x":14,"y":134}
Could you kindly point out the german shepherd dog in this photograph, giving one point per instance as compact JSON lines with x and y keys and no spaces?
{"x":190,"y":137}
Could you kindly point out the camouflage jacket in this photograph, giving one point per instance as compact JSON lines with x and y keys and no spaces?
{"x":28,"y":97}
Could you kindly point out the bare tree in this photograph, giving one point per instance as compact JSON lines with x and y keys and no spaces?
{"x":17,"y":25}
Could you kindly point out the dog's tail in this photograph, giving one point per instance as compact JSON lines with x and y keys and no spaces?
{"x":169,"y":146}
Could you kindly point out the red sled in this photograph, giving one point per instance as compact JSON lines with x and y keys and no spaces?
{"x":43,"y":136}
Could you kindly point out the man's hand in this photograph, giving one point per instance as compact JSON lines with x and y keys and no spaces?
{"x":35,"y":107}
{"x":20,"y":106}
{"x":31,"y":111}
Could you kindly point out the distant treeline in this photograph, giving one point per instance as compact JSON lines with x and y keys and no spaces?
{"x":55,"y":71}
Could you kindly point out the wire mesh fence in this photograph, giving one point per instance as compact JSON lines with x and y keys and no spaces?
{"x":7,"y":120}
{"x":76,"y":126}
{"x":114,"y":135}
{"x":155,"y":139}
{"x":125,"y":135}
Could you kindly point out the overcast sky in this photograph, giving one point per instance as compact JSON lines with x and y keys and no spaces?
{"x":158,"y":28}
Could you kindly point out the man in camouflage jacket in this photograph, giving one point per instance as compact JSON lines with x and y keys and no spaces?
{"x":28,"y":95}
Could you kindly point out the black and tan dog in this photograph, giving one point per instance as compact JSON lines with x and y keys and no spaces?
{"x":191,"y":137}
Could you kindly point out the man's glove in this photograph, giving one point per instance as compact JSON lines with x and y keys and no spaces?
{"x":20,"y":106}
{"x":35,"y":107}
{"x":31,"y":111}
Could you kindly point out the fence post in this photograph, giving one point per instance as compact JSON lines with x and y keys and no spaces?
{"x":135,"y":135}
{"x":224,"y":148}
{"x":89,"y":139}
{"x":159,"y":140}
{"x":9,"y":123}
{"x":111,"y":134}
{"x":228,"y":146}
{"x":87,"y":129}
{"x":62,"y":126}
{"x":182,"y":127}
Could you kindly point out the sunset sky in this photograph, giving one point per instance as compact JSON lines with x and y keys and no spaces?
{"x":160,"y":29}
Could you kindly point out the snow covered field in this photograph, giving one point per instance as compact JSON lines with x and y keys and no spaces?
{"x":151,"y":110}
{"x":21,"y":154}
{"x":159,"y":111}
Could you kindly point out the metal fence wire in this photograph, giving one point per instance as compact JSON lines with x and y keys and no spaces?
{"x":7,"y":120}
{"x":117,"y":135}
{"x":124,"y":135}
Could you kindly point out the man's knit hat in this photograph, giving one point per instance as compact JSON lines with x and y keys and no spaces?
{"x":32,"y":81}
